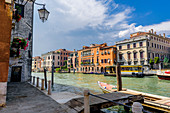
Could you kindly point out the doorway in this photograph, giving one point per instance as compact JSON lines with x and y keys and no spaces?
{"x":16,"y":74}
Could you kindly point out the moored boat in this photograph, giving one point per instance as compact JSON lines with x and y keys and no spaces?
{"x":108,"y":88}
{"x":163,"y":75}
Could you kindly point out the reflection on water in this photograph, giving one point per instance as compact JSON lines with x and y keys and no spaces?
{"x":147,"y":84}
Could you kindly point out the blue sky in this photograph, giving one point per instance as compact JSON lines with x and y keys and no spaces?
{"x":75,"y":23}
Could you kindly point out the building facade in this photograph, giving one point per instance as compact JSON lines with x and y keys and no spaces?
{"x":48,"y":59}
{"x":5,"y":34}
{"x":72,"y":62}
{"x":36,"y":64}
{"x":141,"y":47}
{"x":21,"y":42}
{"x":64,"y":54}
{"x":96,"y":57}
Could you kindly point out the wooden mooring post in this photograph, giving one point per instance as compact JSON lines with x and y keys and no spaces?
{"x":33,"y":80}
{"x":49,"y":87}
{"x":37,"y":82}
{"x":118,"y":76}
{"x":45,"y":78}
{"x":42,"y":84}
{"x":86,"y":102}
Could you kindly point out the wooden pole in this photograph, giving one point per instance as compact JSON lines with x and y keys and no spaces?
{"x":42,"y":84}
{"x":86,"y":102}
{"x":37,"y":82}
{"x":45,"y":77}
{"x":49,"y":87}
{"x":118,"y":76}
{"x":33,"y":80}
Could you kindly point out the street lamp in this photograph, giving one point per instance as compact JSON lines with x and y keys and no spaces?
{"x":43,"y":13}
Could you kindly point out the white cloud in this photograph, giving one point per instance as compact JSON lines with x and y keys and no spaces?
{"x":163,"y":27}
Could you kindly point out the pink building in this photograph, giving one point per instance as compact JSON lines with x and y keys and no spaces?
{"x":64,"y":54}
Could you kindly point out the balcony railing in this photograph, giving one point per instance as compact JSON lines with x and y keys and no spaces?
{"x":87,"y":64}
{"x":142,"y":59}
{"x":135,"y":59}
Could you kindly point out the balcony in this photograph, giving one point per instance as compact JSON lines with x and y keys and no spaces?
{"x":87,"y":64}
{"x":97,"y":64}
{"x":142,"y":59}
{"x":129,"y":60}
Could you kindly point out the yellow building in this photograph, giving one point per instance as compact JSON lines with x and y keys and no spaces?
{"x":96,"y":57}
{"x":141,"y":47}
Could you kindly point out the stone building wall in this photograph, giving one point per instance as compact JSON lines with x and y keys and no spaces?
{"x":23,"y":29}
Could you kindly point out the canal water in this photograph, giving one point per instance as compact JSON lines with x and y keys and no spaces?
{"x":150,"y":84}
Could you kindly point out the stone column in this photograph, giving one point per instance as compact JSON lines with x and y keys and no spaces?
{"x":5,"y":36}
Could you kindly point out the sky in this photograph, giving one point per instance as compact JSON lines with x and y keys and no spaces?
{"x":76,"y":23}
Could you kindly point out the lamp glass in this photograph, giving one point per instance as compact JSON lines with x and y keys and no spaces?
{"x":43,"y":14}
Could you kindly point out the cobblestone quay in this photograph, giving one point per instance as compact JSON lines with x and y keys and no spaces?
{"x":24,"y":98}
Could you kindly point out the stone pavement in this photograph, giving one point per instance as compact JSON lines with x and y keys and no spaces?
{"x":24,"y":98}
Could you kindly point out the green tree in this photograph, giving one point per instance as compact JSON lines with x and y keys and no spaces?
{"x":156,"y":60}
{"x":65,"y":63}
{"x":151,"y":63}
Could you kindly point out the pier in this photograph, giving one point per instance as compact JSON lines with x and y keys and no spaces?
{"x":96,"y":103}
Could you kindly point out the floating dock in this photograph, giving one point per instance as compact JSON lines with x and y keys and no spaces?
{"x":96,"y":103}
{"x":156,"y":102}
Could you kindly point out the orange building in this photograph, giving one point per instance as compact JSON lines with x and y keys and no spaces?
{"x":96,"y":57}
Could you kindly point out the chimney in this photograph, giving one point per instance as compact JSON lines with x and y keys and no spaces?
{"x":159,"y":35}
{"x":164,"y":35}
{"x":74,"y":50}
{"x":152,"y":31}
{"x":155,"y":32}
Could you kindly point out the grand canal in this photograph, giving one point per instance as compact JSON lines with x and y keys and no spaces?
{"x":150,"y":84}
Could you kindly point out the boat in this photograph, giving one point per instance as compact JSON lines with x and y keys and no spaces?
{"x":163,"y":75}
{"x":126,"y":71}
{"x":108,"y":88}
{"x":89,"y":73}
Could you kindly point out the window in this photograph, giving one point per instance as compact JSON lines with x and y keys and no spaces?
{"x":153,"y":56}
{"x":152,"y":44}
{"x":128,"y":56}
{"x":141,"y":44}
{"x":141,"y":54}
{"x":148,"y":44}
{"x":135,"y":55}
{"x":60,"y":63}
{"x":128,"y":46}
{"x":58,"y":57}
{"x":61,"y":53}
{"x":61,"y":58}
{"x":155,"y":45}
{"x":102,"y":61}
{"x":53,"y":57}
{"x":105,"y":60}
{"x":120,"y":56}
{"x":120,"y":47}
{"x":66,"y":53}
{"x":158,"y":46}
{"x":97,"y":52}
{"x":134,"y":45}
{"x":149,"y":55}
